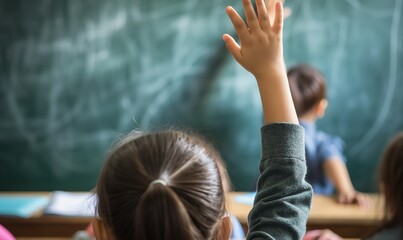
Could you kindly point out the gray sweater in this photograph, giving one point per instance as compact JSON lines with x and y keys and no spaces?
{"x":283,"y":198}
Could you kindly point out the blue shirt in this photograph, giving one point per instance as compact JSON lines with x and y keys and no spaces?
{"x":320,"y":147}
{"x":237,"y":232}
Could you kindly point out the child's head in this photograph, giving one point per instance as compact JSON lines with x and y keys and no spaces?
{"x":164,"y":185}
{"x":308,"y":90}
{"x":391,"y":179}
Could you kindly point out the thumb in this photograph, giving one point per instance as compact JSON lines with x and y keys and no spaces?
{"x":232,"y":47}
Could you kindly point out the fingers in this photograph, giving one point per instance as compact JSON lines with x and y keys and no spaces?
{"x":313,"y":234}
{"x":277,"y":25}
{"x":362,"y":200}
{"x":238,"y":23}
{"x":250,"y":15}
{"x":232,"y":47}
{"x":355,"y":198}
{"x":255,"y":23}
{"x":329,"y":235}
{"x":342,"y":198}
{"x":262,"y":15}
{"x":270,"y":9}
{"x":347,"y":198}
{"x":325,"y":234}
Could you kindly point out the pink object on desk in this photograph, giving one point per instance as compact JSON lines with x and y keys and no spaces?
{"x":5,"y":234}
{"x":321,"y":234}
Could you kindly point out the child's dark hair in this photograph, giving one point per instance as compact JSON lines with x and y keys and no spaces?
{"x":391,"y":179}
{"x":135,"y":206}
{"x":307,"y":87}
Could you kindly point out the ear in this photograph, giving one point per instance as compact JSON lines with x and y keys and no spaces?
{"x":101,"y":230}
{"x":224,"y":232}
{"x":320,"y":108}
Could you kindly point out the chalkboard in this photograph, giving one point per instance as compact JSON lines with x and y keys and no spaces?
{"x":76,"y":75}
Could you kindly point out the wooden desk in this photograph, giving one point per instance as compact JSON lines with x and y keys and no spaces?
{"x":40,"y":225}
{"x":349,"y":221}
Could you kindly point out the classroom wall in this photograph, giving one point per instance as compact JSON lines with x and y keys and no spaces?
{"x":76,"y":75}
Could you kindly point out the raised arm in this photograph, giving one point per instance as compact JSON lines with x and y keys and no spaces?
{"x":282,"y":202}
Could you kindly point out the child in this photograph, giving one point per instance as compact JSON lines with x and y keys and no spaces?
{"x":167,"y":185}
{"x":391,"y":178}
{"x":237,"y":232}
{"x":324,"y":157}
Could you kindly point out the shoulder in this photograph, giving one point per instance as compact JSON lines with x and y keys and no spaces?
{"x":329,"y":146}
{"x":325,"y":138}
{"x":312,"y":133}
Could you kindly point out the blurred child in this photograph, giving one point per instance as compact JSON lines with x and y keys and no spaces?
{"x":168,"y":185}
{"x":326,"y":167}
{"x":390,"y":180}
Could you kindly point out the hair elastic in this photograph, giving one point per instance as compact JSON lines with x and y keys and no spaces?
{"x":158,"y":181}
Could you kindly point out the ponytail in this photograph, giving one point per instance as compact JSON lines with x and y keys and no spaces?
{"x":160,"y":214}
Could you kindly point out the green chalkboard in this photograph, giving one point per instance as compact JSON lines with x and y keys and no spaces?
{"x":358,"y":45}
{"x":75,"y":75}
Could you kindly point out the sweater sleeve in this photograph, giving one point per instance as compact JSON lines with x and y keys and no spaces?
{"x":283,"y":198}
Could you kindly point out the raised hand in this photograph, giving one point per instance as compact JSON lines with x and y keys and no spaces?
{"x":261,"y":53}
{"x":260,"y":40}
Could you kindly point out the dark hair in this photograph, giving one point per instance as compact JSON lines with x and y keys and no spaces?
{"x":391,"y":178}
{"x":188,"y":207}
{"x":307,"y":87}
